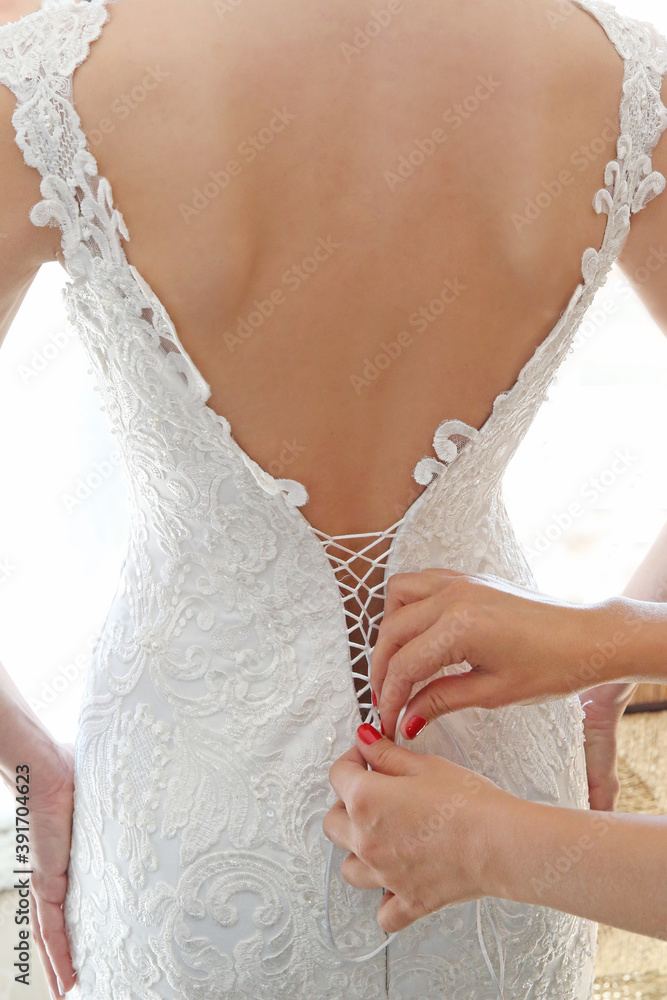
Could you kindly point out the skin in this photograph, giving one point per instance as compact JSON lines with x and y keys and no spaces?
{"x":433,"y":833}
{"x":323,"y":176}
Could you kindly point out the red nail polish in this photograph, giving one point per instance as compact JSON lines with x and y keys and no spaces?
{"x":375,"y":701}
{"x":368,"y":734}
{"x":414,"y":726}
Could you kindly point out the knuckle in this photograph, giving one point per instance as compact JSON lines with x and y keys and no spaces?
{"x":458,"y":614}
{"x":436,"y":703}
{"x":347,"y":869}
{"x":389,"y":628}
{"x":493,"y":698}
{"x":400,"y":669}
{"x":397,"y":582}
{"x":367,"y":848}
{"x":356,"y":802}
{"x":460,"y":588}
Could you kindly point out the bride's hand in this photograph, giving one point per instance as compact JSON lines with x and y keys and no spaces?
{"x":604,"y":707}
{"x":51,"y":808}
{"x":523,"y":647}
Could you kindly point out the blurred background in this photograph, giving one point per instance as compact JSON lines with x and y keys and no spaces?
{"x":599,"y":443}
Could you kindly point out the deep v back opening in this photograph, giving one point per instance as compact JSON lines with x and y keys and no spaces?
{"x":295,"y":491}
{"x":359,"y":570}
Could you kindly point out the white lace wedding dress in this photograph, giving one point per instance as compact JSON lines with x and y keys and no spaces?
{"x":221,"y":687}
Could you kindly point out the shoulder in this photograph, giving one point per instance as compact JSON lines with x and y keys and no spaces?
{"x":13,"y":10}
{"x":22,"y":241}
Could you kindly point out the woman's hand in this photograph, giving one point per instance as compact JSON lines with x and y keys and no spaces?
{"x":51,"y":809}
{"x":416,"y":825}
{"x":604,"y":707}
{"x":522,"y":646}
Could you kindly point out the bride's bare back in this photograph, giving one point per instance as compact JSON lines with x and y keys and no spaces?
{"x":361,"y":223}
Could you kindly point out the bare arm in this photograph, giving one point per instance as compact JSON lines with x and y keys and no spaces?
{"x":605,"y":704}
{"x":648,"y":234}
{"x":607,"y":867}
{"x":434,"y":834}
{"x":23,"y":249}
{"x":24,"y":740}
{"x":646,"y":244}
{"x":23,"y":737}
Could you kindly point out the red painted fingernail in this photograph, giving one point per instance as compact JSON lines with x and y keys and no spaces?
{"x":414,"y":726}
{"x":368,"y":734}
{"x":375,"y":701}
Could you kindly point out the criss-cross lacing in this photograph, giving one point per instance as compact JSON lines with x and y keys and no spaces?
{"x":362,"y":592}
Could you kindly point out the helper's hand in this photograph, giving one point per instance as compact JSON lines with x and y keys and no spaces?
{"x":523,"y":646}
{"x":416,"y":825}
{"x":51,"y":809}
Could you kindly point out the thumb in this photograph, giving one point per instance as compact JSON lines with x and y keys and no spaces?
{"x":383,"y":755}
{"x":394,"y":914}
{"x":448,"y":694}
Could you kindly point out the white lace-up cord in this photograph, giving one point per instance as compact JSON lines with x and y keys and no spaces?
{"x":358,"y":610}
{"x":356,"y":603}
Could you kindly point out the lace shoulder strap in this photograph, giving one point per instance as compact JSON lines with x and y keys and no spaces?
{"x":38,"y":55}
{"x":643,"y":117}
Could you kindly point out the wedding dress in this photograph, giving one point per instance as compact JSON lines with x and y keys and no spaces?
{"x":229,"y":672}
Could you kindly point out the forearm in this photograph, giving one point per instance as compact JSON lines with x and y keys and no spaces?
{"x":607,"y":867}
{"x":633,"y":644}
{"x":649,"y":581}
{"x":23,"y":737}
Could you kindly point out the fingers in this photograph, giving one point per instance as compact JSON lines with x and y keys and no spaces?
{"x":358,"y":874}
{"x":404,"y":588}
{"x":418,"y":659}
{"x":41,"y":948}
{"x":601,"y":752}
{"x":469,"y":689}
{"x":337,"y":826}
{"x":386,"y":758}
{"x":394,"y":915}
{"x":398,"y":628}
{"x":604,"y":797}
{"x":347,"y":774}
{"x":51,"y":921}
